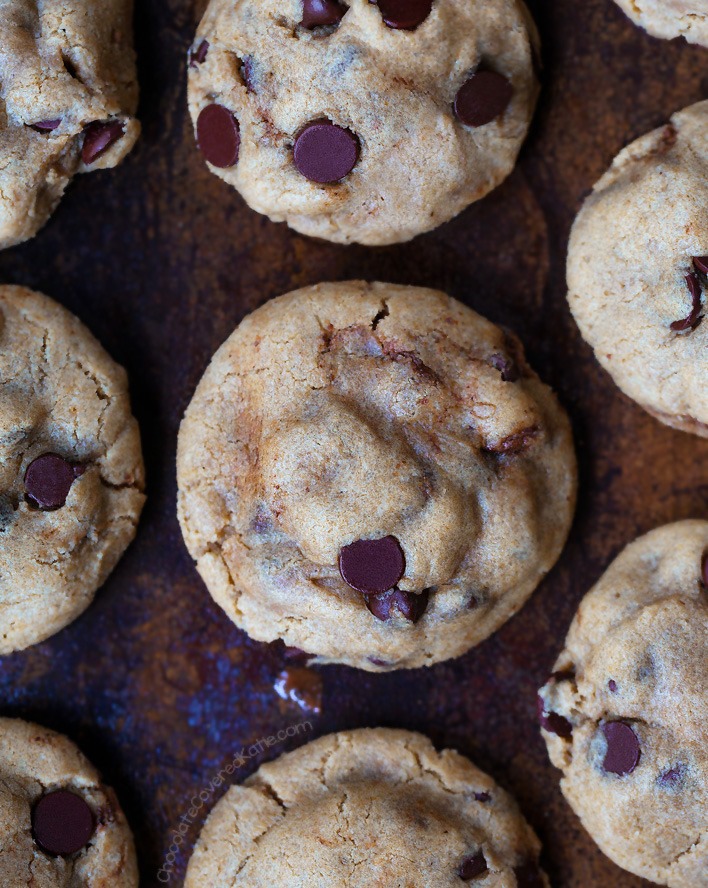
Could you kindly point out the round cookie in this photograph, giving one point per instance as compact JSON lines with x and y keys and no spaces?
{"x":68,"y":93}
{"x":637,"y":265}
{"x":670,"y":18}
{"x":71,"y":470}
{"x":60,"y":827}
{"x":624,"y":714}
{"x":373,"y":474}
{"x":358,"y":121}
{"x":362,"y":808}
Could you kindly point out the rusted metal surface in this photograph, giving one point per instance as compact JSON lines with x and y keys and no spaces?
{"x":162,"y":260}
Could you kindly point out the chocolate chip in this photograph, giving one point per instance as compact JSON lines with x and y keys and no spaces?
{"x":198,"y":56}
{"x":98,"y":138}
{"x":218,"y":136}
{"x":404,"y":15}
{"x":528,"y":875}
{"x":482,"y":797}
{"x":506,"y":366}
{"x":612,"y":685}
{"x":387,"y":605}
{"x":552,"y":721}
{"x":325,"y":153}
{"x":248,"y":71}
{"x":672,"y":777}
{"x":46,"y":126}
{"x":694,"y":317}
{"x":372,"y":566}
{"x":377,"y":661}
{"x":48,"y":480}
{"x":482,"y":98}
{"x":320,"y":13}
{"x":700,"y":263}
{"x":62,"y":823}
{"x":623,"y":750}
{"x":472,"y":866}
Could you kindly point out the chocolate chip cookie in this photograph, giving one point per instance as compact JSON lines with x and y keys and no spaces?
{"x":670,"y":18}
{"x":638,"y":271}
{"x":624,"y":713}
{"x":71,"y":470}
{"x":361,"y":121}
{"x":60,"y":827}
{"x":373,"y":474}
{"x":363,"y":808}
{"x":68,"y":93}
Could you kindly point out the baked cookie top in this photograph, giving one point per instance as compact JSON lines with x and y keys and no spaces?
{"x":358,"y":121}
{"x":362,"y":808}
{"x":60,"y":827}
{"x":625,"y":712}
{"x":670,"y":18}
{"x":71,"y":470}
{"x":373,"y":474}
{"x":637,"y":268}
{"x":68,"y":93}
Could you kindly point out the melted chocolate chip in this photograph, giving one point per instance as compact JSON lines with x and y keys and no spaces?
{"x":198,"y":56}
{"x":377,"y":661}
{"x":472,"y":866}
{"x":372,"y":566}
{"x":694,"y":317}
{"x":48,"y":480}
{"x":325,"y":153}
{"x":623,"y":749}
{"x":528,"y":875}
{"x":395,"y":602}
{"x":98,"y":138}
{"x":218,"y":136}
{"x":552,"y":721}
{"x":46,"y":126}
{"x":612,"y":685}
{"x":404,"y":15}
{"x":482,"y":98}
{"x":482,"y":797}
{"x":320,"y":13}
{"x":62,"y":823}
{"x":700,"y":263}
{"x":302,"y":686}
{"x":506,"y":366}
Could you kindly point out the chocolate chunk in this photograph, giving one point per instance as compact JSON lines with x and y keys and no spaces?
{"x":623,"y":750}
{"x":482,"y":797}
{"x":62,"y":823}
{"x":387,"y":605}
{"x":198,"y":56}
{"x":320,"y":13}
{"x":46,"y":126}
{"x":302,"y":686}
{"x":552,"y":721}
{"x":506,"y":366}
{"x":98,"y":138}
{"x":48,"y":480}
{"x":482,"y":98}
{"x":218,"y":136}
{"x":325,"y":153}
{"x":472,"y":866}
{"x":372,"y":566}
{"x":694,"y":317}
{"x":672,"y":777}
{"x":612,"y":685}
{"x":528,"y":875}
{"x":700,"y":263}
{"x":404,"y":15}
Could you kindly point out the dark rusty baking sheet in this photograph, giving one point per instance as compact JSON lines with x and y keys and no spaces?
{"x":161,"y":260}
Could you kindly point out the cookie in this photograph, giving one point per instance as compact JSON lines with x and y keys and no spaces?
{"x":362,"y":808}
{"x":373,"y":474}
{"x":68,"y":93}
{"x":624,"y":714}
{"x":362,"y":122}
{"x":71,"y":470}
{"x":60,"y":827}
{"x":637,"y":271}
{"x":670,"y":18}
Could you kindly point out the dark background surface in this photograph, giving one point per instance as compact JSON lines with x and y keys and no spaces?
{"x":162,"y":260}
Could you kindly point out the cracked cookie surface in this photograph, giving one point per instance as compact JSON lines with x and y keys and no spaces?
{"x":670,"y":18}
{"x":407,"y":161}
{"x":637,"y":271}
{"x":624,"y":714}
{"x":355,"y":421}
{"x":34,"y":763}
{"x":363,"y":808}
{"x":68,"y":93}
{"x":71,"y":470}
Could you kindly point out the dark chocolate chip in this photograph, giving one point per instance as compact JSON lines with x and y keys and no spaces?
{"x":482,"y":98}
{"x":623,"y":750}
{"x":612,"y":685}
{"x":528,"y":875}
{"x":325,"y":153}
{"x":48,"y":480}
{"x":700,"y":263}
{"x":98,"y":138}
{"x":404,"y":15}
{"x":320,"y":13}
{"x":46,"y":126}
{"x":62,"y":823}
{"x":372,"y":566}
{"x":506,"y":366}
{"x":472,"y":866}
{"x":387,"y":605}
{"x":482,"y":797}
{"x":694,"y":317}
{"x":198,"y":56}
{"x":672,"y":777}
{"x":552,"y":721}
{"x":218,"y":136}
{"x":248,"y":72}
{"x":377,"y":661}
